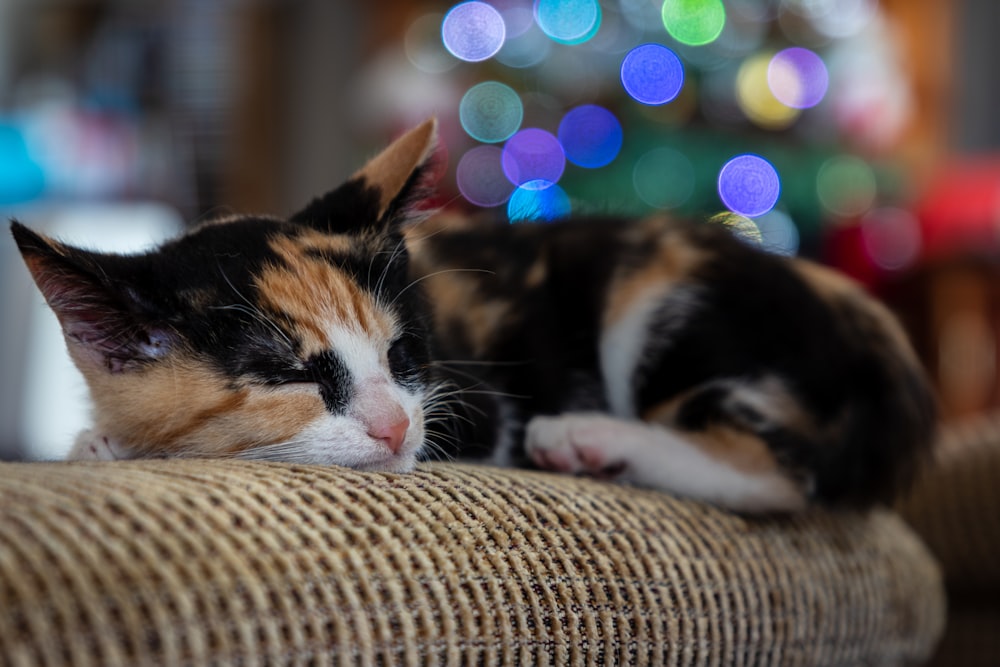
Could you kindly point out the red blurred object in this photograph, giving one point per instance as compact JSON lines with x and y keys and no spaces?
{"x":844,"y":248}
{"x":960,"y":209}
{"x":958,"y":215}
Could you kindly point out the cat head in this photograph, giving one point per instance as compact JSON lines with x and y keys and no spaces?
{"x":297,"y":340}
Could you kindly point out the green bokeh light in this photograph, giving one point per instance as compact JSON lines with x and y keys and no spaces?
{"x":694,"y":22}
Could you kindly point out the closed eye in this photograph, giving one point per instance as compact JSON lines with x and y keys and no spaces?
{"x":290,"y":377}
{"x":400,"y":361}
{"x":276,"y":373}
{"x":407,"y":359}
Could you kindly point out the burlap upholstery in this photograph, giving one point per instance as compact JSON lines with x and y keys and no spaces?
{"x":955,"y":508}
{"x":174,"y":562}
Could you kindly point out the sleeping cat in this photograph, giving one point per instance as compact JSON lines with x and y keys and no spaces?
{"x":360,"y":333}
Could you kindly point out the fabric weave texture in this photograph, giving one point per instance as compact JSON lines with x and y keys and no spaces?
{"x":226,"y":562}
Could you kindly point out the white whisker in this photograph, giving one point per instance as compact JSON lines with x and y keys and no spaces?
{"x":436,"y":273}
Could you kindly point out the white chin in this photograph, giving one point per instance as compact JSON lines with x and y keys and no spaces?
{"x":403,"y":463}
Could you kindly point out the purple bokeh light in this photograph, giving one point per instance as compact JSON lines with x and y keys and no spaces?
{"x":473,"y":31}
{"x":532,"y":156}
{"x":798,"y":78}
{"x":480,"y":177}
{"x":749,"y":185}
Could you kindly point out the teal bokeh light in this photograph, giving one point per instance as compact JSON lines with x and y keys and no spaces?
{"x":568,"y":21}
{"x":490,"y":112}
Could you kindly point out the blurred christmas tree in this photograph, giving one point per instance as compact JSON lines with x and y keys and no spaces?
{"x":780,"y":110}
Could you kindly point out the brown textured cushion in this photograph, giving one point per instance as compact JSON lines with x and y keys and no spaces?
{"x":955,"y":506}
{"x":172,"y":562}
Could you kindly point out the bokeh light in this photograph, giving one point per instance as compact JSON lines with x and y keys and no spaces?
{"x":755,"y":98}
{"x":797,"y":77}
{"x":694,"y":22}
{"x":892,"y":238}
{"x":518,"y":16}
{"x":473,"y":31}
{"x":480,"y":177}
{"x":568,"y":21}
{"x":652,"y":74}
{"x":590,"y":135}
{"x":846,"y":186}
{"x":778,"y":232}
{"x":837,"y":19}
{"x":423,"y":46}
{"x":525,"y":50}
{"x":663,"y":178}
{"x":749,"y":185}
{"x":490,"y":112}
{"x":538,"y":200}
{"x":533,"y":157}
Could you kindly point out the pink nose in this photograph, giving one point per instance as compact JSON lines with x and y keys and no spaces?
{"x":392,"y":433}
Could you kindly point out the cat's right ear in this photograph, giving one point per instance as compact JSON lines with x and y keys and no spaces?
{"x":379,"y":195}
{"x":106,"y":324}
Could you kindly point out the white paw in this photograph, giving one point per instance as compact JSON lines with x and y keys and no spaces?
{"x":92,"y":446}
{"x":588,"y":444}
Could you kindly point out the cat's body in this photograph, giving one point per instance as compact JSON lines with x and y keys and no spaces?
{"x":668,"y":354}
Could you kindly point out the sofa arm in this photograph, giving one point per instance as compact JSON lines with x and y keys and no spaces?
{"x":219,"y":562}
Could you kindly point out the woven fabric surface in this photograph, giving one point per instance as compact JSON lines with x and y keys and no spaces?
{"x":198,"y":562}
{"x":955,"y":506}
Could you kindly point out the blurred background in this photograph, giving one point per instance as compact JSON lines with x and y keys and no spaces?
{"x":862,"y":133}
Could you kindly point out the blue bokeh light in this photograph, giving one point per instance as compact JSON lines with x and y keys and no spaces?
{"x":749,"y":185}
{"x":568,"y":21}
{"x":490,"y":112}
{"x":21,"y":177}
{"x":590,"y":135}
{"x":473,"y":31}
{"x":533,"y":156}
{"x":652,"y":74}
{"x":538,"y":200}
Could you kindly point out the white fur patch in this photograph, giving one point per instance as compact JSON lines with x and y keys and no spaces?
{"x":93,"y":446}
{"x":344,"y":439}
{"x":655,"y":457}
{"x":624,"y":342}
{"x":503,"y":447}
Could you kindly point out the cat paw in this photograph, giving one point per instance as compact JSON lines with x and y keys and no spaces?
{"x":576,"y":444}
{"x":92,"y":446}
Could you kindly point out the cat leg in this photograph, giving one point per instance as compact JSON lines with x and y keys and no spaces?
{"x":93,"y":446}
{"x":724,"y":467}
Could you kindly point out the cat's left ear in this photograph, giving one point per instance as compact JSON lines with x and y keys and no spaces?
{"x":387,"y":185}
{"x":106,"y":321}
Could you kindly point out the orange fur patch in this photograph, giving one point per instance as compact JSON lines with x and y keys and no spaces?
{"x":317,"y":296}
{"x":480,"y":318}
{"x":739,"y":450}
{"x":181,"y":405}
{"x":673,"y":258}
{"x":391,"y":169}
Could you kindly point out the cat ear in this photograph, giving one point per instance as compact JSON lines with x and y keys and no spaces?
{"x":105,"y":322}
{"x":388,"y":183}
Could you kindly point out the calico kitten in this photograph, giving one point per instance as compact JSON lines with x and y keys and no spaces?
{"x":657,"y":352}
